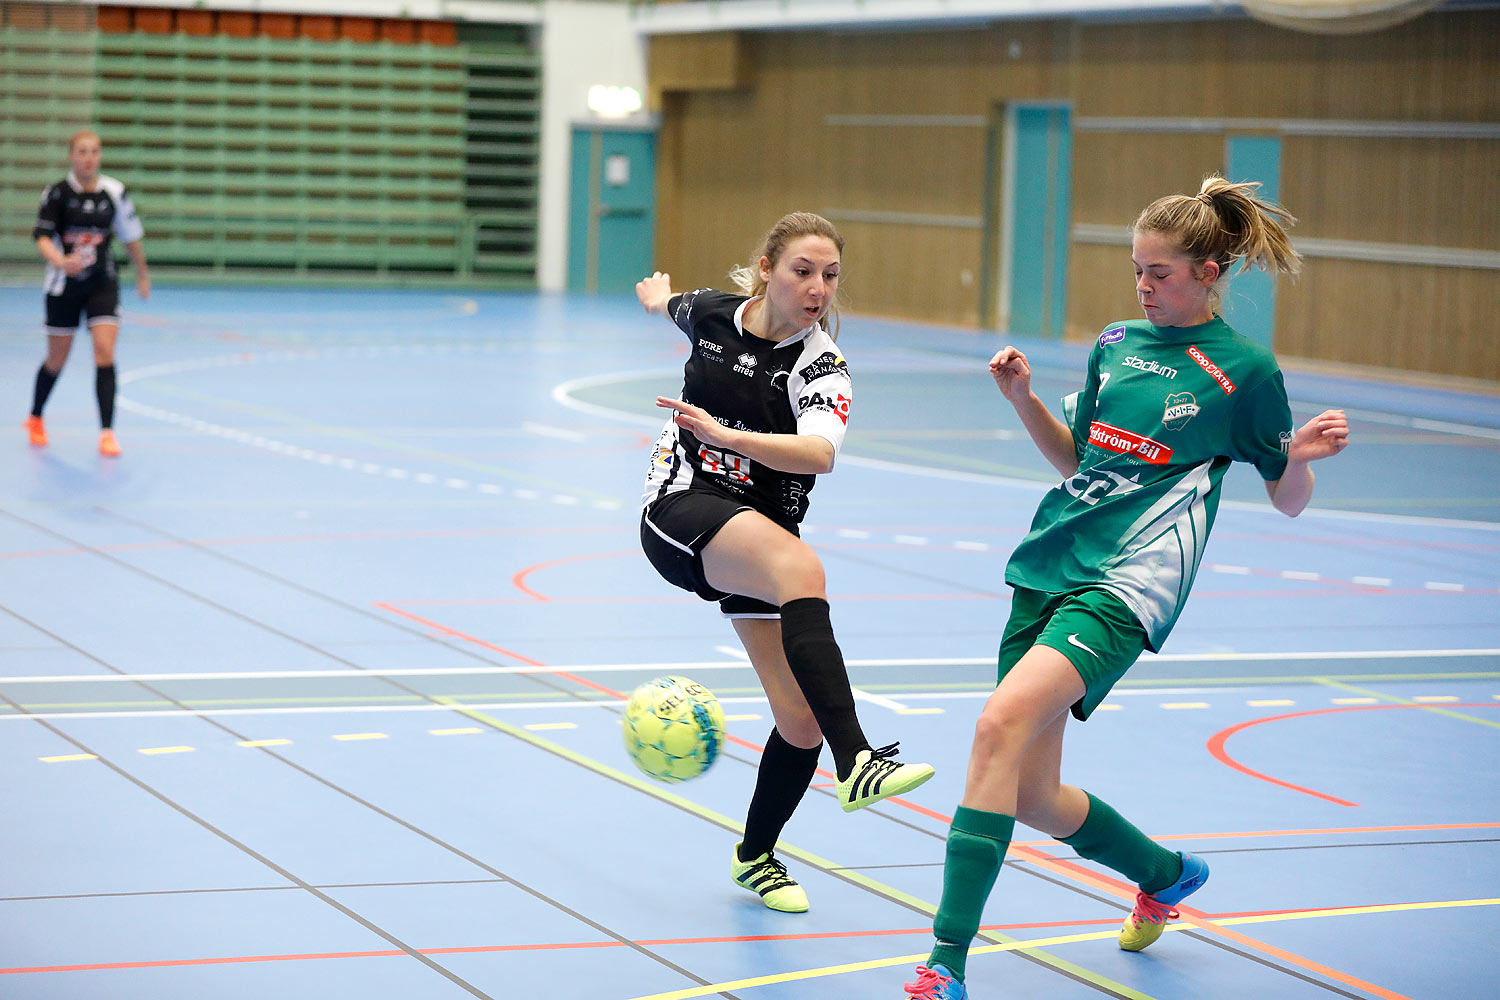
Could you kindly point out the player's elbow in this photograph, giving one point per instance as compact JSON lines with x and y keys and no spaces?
{"x":824,"y":456}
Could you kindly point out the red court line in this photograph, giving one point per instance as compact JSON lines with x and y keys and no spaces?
{"x":1217,"y":741}
{"x":685,"y":599}
{"x":1326,"y":831}
{"x":1069,"y":869}
{"x":520,"y":578}
{"x":578,"y":945}
{"x":611,"y":692}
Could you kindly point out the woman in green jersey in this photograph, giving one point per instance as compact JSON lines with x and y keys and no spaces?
{"x":1169,"y":402}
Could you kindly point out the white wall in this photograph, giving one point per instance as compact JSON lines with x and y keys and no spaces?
{"x":582,"y":43}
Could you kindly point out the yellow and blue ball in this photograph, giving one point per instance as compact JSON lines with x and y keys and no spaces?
{"x":674,"y":728}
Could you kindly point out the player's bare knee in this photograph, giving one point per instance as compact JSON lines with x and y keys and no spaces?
{"x":1000,"y":730}
{"x":801,"y":730}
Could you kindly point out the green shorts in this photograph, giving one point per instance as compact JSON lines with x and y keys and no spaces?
{"x":1094,"y":629}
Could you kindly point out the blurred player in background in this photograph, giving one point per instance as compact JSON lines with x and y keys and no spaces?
{"x":78,"y":218}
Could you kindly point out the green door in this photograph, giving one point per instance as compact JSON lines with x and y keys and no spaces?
{"x":1034,"y":254}
{"x":612,"y":214}
{"x":1250,"y":305}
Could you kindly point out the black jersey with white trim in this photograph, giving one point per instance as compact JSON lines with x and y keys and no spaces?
{"x":86,"y":221}
{"x":800,"y":385}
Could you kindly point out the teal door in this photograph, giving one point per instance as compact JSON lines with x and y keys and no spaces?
{"x":1250,"y":305}
{"x":612,"y":211}
{"x":1034,"y":251}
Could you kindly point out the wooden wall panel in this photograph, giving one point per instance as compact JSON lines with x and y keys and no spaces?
{"x":1101,"y":289}
{"x":1427,"y":192}
{"x":1117,"y":175}
{"x":910,"y":272}
{"x":1405,"y":317}
{"x":732,"y":161}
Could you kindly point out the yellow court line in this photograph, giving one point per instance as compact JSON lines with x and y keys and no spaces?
{"x":263,"y":743}
{"x":879,"y":888}
{"x":1415,"y":703}
{"x":883,"y":963}
{"x":63,"y":758}
{"x":465,"y":731}
{"x":361,"y":736}
{"x":156,"y":750}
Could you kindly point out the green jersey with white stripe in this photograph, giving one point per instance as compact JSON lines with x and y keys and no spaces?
{"x":1162,"y":414}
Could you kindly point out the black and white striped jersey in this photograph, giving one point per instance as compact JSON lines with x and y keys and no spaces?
{"x":86,"y":221}
{"x":798,"y":386}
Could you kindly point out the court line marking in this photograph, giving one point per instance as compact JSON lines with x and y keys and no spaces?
{"x":1417,"y":702}
{"x":838,"y":871}
{"x":1321,"y":832}
{"x":1216,"y":742}
{"x":562,"y":395}
{"x":576,"y":704}
{"x":1063,"y":868}
{"x":882,"y":963}
{"x":742,"y":939}
{"x":533,"y":667}
{"x":853,"y":876}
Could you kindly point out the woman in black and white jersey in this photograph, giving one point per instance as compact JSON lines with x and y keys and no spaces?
{"x":763,"y":408}
{"x":78,"y":218}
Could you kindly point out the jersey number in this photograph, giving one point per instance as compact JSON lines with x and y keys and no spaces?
{"x":725,"y":463}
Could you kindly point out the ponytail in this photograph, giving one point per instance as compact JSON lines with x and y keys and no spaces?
{"x":1227,"y":224}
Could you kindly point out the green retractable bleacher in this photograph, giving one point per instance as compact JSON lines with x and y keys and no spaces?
{"x":275,"y":160}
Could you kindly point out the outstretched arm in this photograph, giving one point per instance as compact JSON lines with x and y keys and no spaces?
{"x":1323,"y":436}
{"x":1012,"y":374}
{"x":795,"y":453}
{"x":655,"y":292}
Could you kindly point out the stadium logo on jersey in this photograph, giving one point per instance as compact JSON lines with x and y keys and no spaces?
{"x":1212,"y":369}
{"x":779,"y":377}
{"x":1113,"y":335}
{"x":1181,"y":407}
{"x":1286,"y":442}
{"x":1149,"y":367}
{"x":826,"y":363}
{"x":1123,"y":442}
{"x":839,"y":404}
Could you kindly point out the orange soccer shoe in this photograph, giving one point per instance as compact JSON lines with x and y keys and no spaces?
{"x":36,"y":432}
{"x":108,"y":445}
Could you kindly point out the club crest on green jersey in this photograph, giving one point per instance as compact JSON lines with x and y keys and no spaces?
{"x":1181,"y":407}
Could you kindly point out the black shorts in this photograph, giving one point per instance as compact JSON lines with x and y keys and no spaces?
{"x":676,"y":528}
{"x":98,"y":298}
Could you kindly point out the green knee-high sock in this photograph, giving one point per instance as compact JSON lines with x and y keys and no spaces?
{"x":977,"y":843}
{"x":1110,"y":839}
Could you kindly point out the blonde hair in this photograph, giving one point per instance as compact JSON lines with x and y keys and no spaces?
{"x":1227,"y":224}
{"x":789,"y":227}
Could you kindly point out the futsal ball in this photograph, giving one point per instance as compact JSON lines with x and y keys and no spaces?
{"x":674,"y":728}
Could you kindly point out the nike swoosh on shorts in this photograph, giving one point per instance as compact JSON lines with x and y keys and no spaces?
{"x":1073,"y":641}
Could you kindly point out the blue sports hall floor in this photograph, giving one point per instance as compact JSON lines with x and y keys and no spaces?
{"x":315,"y":691}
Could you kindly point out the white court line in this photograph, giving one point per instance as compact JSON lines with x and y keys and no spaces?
{"x":875,"y":699}
{"x":572,"y":705}
{"x":562,"y":395}
{"x":738,"y":664}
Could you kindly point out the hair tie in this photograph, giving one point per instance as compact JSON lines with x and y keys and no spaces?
{"x":1206,"y":198}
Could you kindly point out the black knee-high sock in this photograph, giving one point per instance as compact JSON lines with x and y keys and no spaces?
{"x":45,"y":380}
{"x":785,"y":773}
{"x":818,"y":665}
{"x":104,"y":388}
